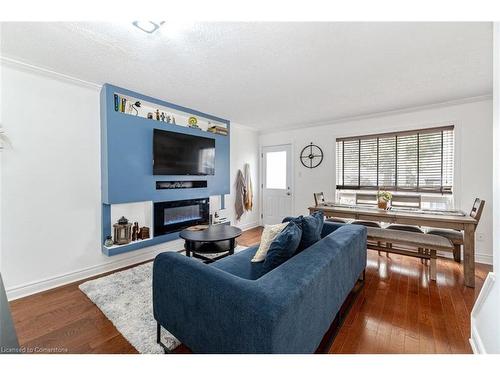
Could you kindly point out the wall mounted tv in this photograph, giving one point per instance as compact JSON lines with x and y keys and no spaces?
{"x":182,"y":154}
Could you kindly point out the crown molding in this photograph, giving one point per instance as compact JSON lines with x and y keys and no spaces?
{"x":20,"y":65}
{"x":338,"y":120}
{"x":246,"y":127}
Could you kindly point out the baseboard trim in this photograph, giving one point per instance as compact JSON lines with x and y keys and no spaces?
{"x":479,"y":258}
{"x":475,"y":340}
{"x":42,"y":285}
{"x":484,"y":258}
{"x":248,"y":226}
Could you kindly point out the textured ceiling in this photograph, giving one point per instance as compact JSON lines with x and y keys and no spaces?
{"x":270,"y":75}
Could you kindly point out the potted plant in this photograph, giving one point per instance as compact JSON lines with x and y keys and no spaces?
{"x":383,"y":198}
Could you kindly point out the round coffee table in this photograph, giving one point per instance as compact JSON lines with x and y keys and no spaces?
{"x":214,"y":239}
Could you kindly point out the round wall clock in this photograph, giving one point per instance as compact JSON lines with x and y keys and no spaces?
{"x":311,"y":156}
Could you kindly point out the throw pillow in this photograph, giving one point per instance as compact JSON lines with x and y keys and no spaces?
{"x":268,"y":235}
{"x":311,"y":226}
{"x":297,"y":220}
{"x":283,"y":247}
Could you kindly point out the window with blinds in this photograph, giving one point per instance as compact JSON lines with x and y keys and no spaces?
{"x":414,"y":161}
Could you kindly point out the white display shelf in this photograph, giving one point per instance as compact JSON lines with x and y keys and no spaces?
{"x":181,"y":117}
{"x":128,"y":244}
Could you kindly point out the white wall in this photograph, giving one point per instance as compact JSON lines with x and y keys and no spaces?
{"x":244,"y":149}
{"x":51,"y":194}
{"x":473,"y":156}
{"x":496,"y":150}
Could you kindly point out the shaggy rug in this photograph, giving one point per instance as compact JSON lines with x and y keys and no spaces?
{"x":125,"y":298}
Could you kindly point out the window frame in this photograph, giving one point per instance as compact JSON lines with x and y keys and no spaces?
{"x":441,"y":189}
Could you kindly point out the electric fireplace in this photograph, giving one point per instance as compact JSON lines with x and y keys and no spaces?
{"x":177,"y":215}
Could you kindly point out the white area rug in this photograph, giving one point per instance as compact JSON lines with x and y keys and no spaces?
{"x":125,"y":298}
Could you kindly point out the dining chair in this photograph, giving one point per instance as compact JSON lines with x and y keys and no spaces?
{"x":406,"y":201}
{"x":372,"y":224}
{"x":366,"y":199}
{"x":370,"y":199}
{"x":319,"y":199}
{"x":456,"y":236}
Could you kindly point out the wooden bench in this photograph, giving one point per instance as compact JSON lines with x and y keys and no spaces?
{"x":429,"y":242}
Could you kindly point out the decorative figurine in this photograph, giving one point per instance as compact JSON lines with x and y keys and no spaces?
{"x":168,"y":119}
{"x":173,"y":120}
{"x":157,"y":115}
{"x":143,"y":233}
{"x":133,"y":107}
{"x":122,"y":231}
{"x":135,"y":231}
{"x":192,"y":121}
{"x":150,"y":115}
{"x":109,"y":241}
{"x":162,"y":116}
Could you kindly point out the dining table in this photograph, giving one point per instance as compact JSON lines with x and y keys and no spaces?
{"x":442,"y":219}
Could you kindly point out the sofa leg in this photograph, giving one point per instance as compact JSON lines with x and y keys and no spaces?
{"x":158,"y":332}
{"x":362,"y":276}
{"x":158,"y":339}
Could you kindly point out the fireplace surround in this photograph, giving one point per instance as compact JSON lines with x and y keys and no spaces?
{"x":174,"y":216}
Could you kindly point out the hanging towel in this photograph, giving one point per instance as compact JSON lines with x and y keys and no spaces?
{"x":239,"y":203}
{"x":248,"y":188}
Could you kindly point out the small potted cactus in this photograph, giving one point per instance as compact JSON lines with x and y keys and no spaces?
{"x":383,"y":198}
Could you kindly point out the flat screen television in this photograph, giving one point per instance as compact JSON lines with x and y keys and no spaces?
{"x":182,"y":154}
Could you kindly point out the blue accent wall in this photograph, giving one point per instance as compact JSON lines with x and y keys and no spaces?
{"x":127,"y":160}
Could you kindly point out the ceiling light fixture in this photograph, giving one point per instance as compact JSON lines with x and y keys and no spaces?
{"x":148,"y":26}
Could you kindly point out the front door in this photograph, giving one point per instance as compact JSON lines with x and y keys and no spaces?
{"x":276,"y":186}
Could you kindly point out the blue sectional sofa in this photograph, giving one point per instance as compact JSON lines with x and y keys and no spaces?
{"x":229,"y":307}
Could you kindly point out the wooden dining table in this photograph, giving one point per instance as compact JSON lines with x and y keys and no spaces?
{"x":433,"y":219}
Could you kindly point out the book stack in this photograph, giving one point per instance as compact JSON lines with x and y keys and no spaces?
{"x":217,"y":130}
{"x":120,"y":103}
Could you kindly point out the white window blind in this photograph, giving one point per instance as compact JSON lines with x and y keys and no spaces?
{"x":414,"y":161}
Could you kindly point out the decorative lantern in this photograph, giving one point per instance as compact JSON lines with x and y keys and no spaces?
{"x":122,"y":231}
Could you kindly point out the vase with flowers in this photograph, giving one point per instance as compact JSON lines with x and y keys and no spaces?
{"x":383,"y":198}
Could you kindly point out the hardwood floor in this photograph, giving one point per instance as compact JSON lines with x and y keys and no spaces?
{"x":397,"y":311}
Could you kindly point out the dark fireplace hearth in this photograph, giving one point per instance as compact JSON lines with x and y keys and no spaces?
{"x":177,"y":215}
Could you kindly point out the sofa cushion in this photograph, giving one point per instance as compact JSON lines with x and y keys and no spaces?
{"x":283,"y":247}
{"x":311,"y":226}
{"x":269,"y":233}
{"x":240,"y":265}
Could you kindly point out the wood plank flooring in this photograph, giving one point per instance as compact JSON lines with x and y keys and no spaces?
{"x":397,"y":311}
